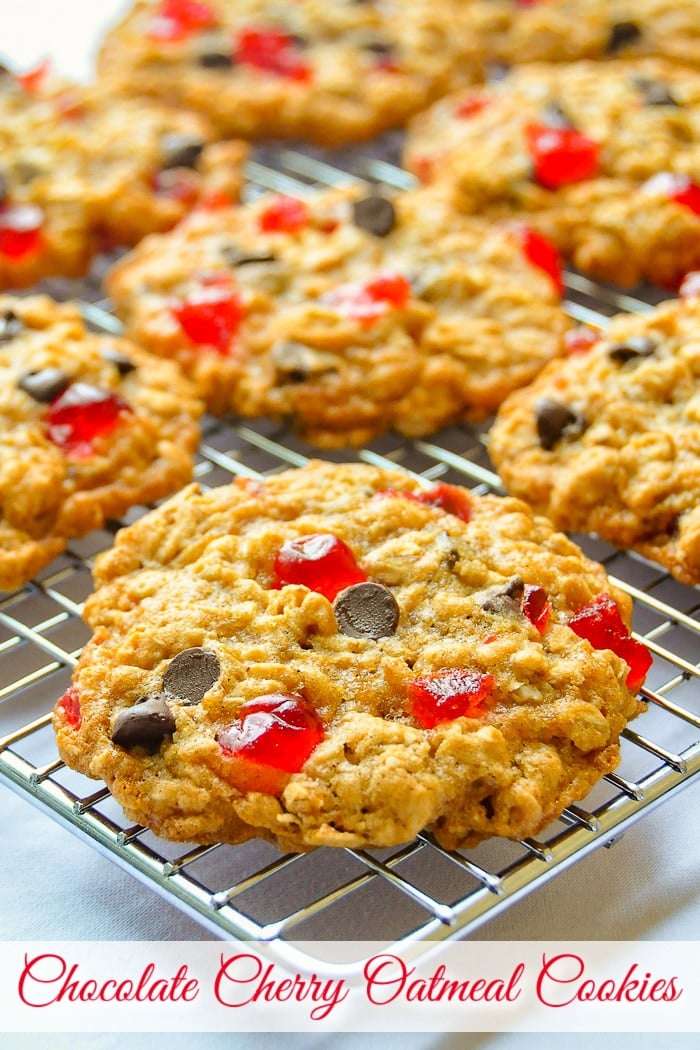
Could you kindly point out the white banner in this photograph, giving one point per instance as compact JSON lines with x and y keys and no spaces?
{"x":526,"y":986}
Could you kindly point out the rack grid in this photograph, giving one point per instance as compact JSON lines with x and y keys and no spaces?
{"x":251,"y":891}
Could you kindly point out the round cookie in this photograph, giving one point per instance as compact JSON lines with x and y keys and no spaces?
{"x":603,"y":159}
{"x":346,"y":311}
{"x":339,"y":656}
{"x":608,"y":440}
{"x":89,"y":426}
{"x":327,"y":71}
{"x":82,"y":170}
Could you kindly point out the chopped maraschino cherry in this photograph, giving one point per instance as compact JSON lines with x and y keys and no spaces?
{"x":447,"y":497}
{"x":272,"y":51}
{"x":367,"y":301}
{"x":678,"y":188}
{"x":579,"y":340}
{"x":31,"y":80}
{"x":70,"y":705}
{"x":320,"y":561}
{"x":273,"y":737}
{"x":215,"y":200}
{"x":470,"y":106}
{"x":599,"y":621}
{"x":539,"y":252}
{"x":561,"y":155}
{"x":21,"y":231}
{"x":283,"y":215}
{"x":211,"y":316}
{"x":536,"y":606}
{"x":82,"y":413}
{"x":449,"y":694}
{"x":175,"y":20}
{"x":690,"y":286}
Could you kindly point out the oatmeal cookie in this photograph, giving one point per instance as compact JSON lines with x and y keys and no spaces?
{"x":604,"y":160}
{"x":89,"y":426}
{"x":338,"y":656}
{"x":566,"y":30}
{"x":347,"y":311}
{"x":328,"y":71}
{"x":608,"y":440}
{"x":82,"y":170}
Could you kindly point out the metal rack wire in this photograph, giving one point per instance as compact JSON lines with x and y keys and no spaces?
{"x":251,"y":891}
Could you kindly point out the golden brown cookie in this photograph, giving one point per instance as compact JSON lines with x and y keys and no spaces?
{"x":608,"y":440}
{"x":340,"y":656}
{"x":89,"y":426}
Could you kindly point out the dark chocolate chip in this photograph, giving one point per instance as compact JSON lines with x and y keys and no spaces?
{"x":505,"y":599}
{"x":45,"y":384}
{"x":375,"y":214}
{"x":215,"y":60}
{"x":622,"y":34}
{"x":298,"y":362}
{"x":378,"y":47}
{"x":300,"y":42}
{"x":366,"y":610}
{"x":554,"y":116}
{"x":655,"y":92}
{"x":180,"y":151}
{"x":10,"y":326}
{"x":555,"y":421}
{"x":4,"y":71}
{"x":638,"y":346}
{"x":235,"y":256}
{"x":191,"y":674}
{"x":145,"y":725}
{"x":118,"y":358}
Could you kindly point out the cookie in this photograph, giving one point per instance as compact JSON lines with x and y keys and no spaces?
{"x":338,"y":656}
{"x":81,"y":171}
{"x":602,"y":159}
{"x":89,"y":426}
{"x":327,"y":71}
{"x":566,"y":30}
{"x":346,"y":311}
{"x":608,"y":440}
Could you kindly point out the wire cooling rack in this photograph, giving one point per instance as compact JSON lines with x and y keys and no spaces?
{"x":423,"y":891}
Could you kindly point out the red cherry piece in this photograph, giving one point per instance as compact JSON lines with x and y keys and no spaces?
{"x":177,"y":19}
{"x":561,"y":155}
{"x":386,"y":63}
{"x":580,"y":340}
{"x":273,"y":52}
{"x":70,"y":705}
{"x":32,"y":79}
{"x":470,"y":106}
{"x":21,"y":231}
{"x":447,"y":497}
{"x":283,"y":215}
{"x":273,"y":737}
{"x":541,"y":253}
{"x":678,"y":188}
{"x":320,"y":561}
{"x":210,"y":317}
{"x":177,"y":184}
{"x":690,"y":286}
{"x":367,"y":301}
{"x":82,"y":413}
{"x":536,"y":606}
{"x":599,"y":621}
{"x":449,"y":694}
{"x":215,"y":200}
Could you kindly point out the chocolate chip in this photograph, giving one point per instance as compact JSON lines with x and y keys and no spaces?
{"x":118,"y":358}
{"x":180,"y":151}
{"x":4,"y":71}
{"x":655,"y":92}
{"x":215,"y":60}
{"x":554,"y":116}
{"x":191,"y":674}
{"x":366,"y":610}
{"x":505,"y":599}
{"x":45,"y":384}
{"x":10,"y":326}
{"x":297,"y":41}
{"x":375,"y":214}
{"x":637,"y":347}
{"x":235,"y":256}
{"x":145,"y":725}
{"x":378,"y":47}
{"x":555,"y":421}
{"x":298,"y":362}
{"x":622,"y":34}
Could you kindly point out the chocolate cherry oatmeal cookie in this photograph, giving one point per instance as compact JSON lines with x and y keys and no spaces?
{"x":347,"y":311}
{"x":328,"y":71}
{"x":89,"y":426}
{"x":608,"y":440}
{"x":340,"y":656}
{"x":603,"y":159}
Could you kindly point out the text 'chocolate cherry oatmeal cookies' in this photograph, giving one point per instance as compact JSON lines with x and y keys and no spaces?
{"x":89,"y":426}
{"x":328,"y":71}
{"x":346,"y":311}
{"x":602,"y":159}
{"x":82,"y":170}
{"x":608,"y":441}
{"x":338,"y":656}
{"x":564,"y":30}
